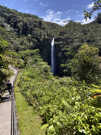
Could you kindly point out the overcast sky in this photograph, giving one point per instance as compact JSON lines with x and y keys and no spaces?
{"x":58,"y":11}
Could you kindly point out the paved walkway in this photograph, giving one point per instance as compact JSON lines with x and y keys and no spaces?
{"x":5,"y":110}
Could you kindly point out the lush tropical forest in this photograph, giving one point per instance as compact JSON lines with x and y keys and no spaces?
{"x":69,"y":102}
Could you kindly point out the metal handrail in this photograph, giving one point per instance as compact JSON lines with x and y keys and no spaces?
{"x":14,"y":127}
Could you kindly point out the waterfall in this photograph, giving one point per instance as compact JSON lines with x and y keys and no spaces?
{"x":52,"y":57}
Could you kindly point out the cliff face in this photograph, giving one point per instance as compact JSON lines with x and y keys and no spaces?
{"x":25,"y":31}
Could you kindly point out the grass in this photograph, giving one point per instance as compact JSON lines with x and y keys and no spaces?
{"x":29,"y":122}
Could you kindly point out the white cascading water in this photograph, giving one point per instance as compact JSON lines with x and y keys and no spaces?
{"x":52,"y":57}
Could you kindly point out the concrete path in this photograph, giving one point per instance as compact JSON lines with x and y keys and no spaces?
{"x":5,"y":109}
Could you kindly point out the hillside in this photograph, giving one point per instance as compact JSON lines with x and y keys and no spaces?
{"x":65,"y":104}
{"x":25,"y":31}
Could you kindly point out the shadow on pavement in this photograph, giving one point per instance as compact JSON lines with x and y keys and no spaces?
{"x":5,"y":98}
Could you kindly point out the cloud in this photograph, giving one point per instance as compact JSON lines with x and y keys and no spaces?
{"x":91,"y":5}
{"x":55,"y":17}
{"x":84,"y":21}
{"x":87,"y":21}
{"x":4,"y":2}
{"x":43,"y":4}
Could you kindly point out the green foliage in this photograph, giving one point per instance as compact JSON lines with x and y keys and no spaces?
{"x":3,"y":45}
{"x":97,"y":101}
{"x":29,"y":32}
{"x":64,"y":104}
{"x":85,"y":65}
{"x":3,"y":60}
{"x":29,"y":122}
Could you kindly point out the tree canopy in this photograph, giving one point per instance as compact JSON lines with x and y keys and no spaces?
{"x":86,"y":63}
{"x":29,"y":32}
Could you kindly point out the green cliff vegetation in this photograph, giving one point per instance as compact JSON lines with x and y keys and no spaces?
{"x":86,"y":64}
{"x":67,"y":103}
{"x":4,"y":71}
{"x":24,"y":31}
